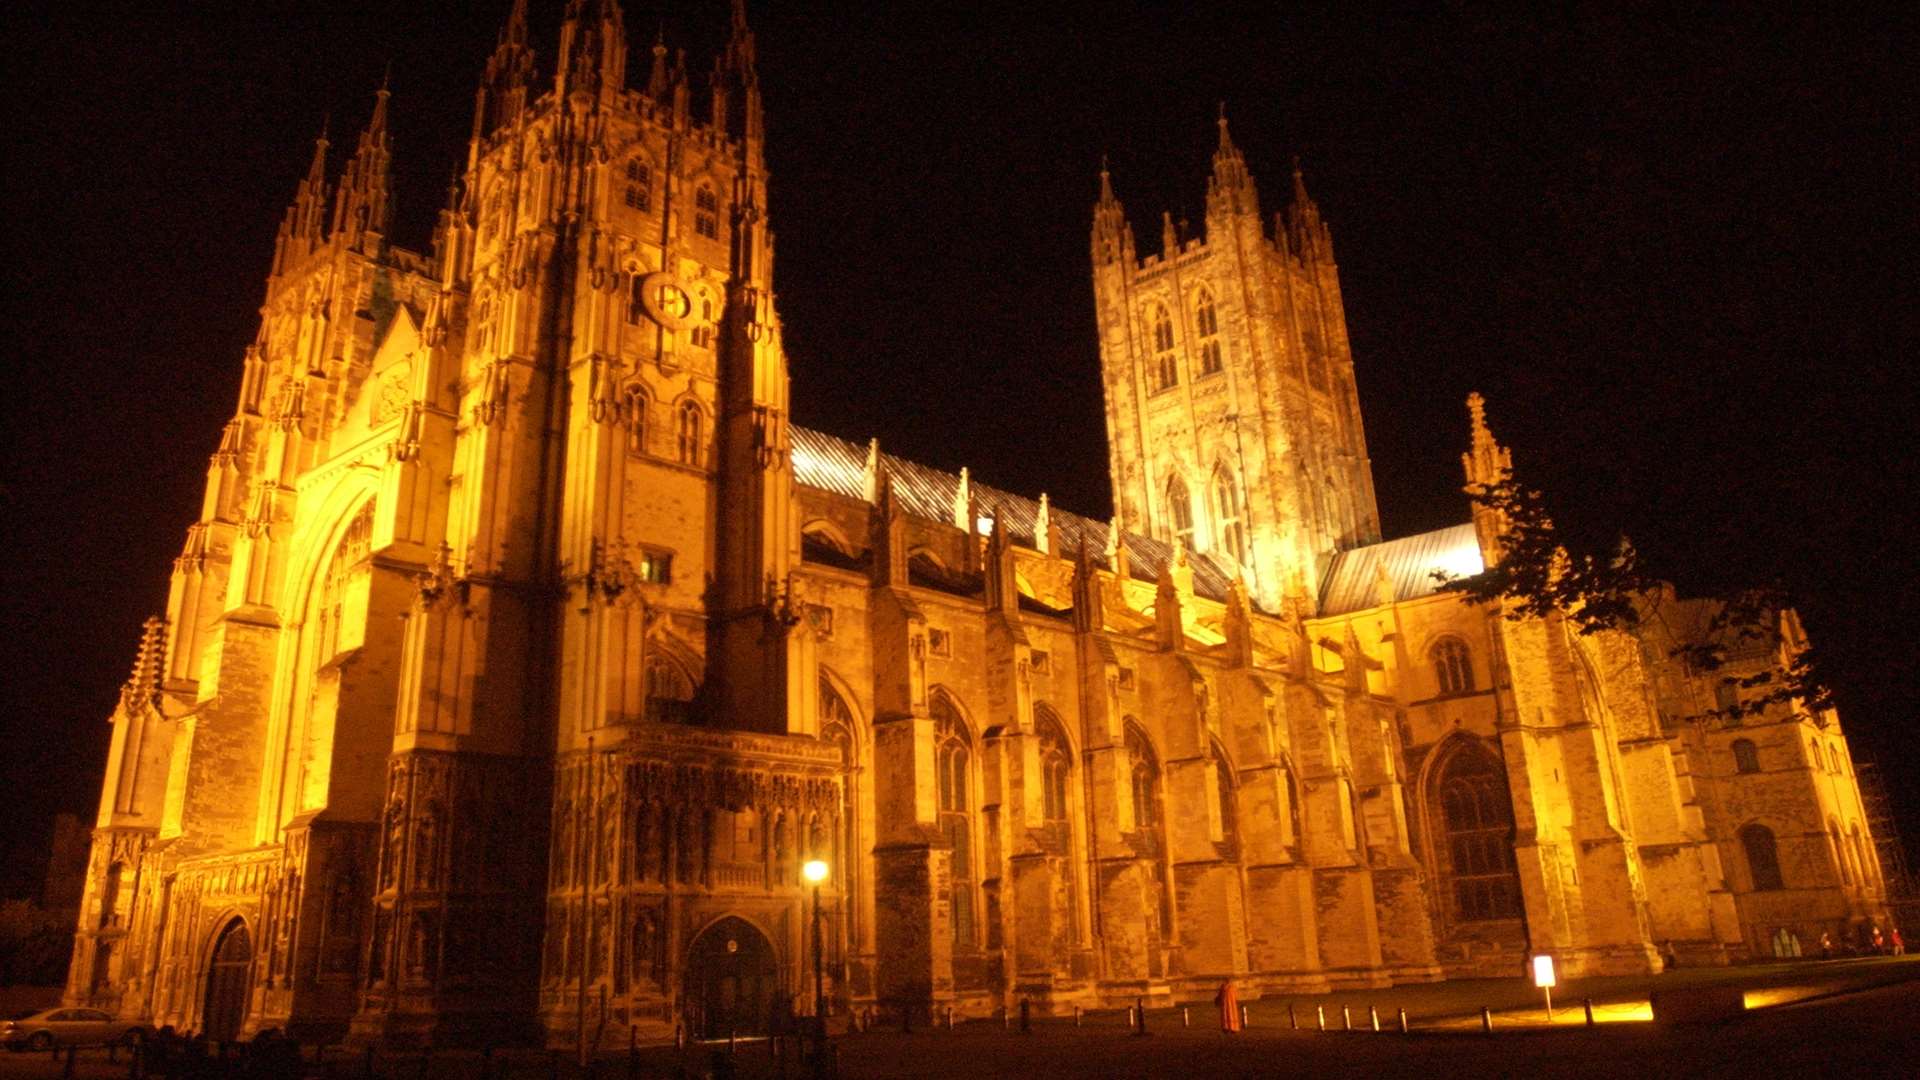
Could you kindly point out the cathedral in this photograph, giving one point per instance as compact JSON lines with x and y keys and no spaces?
{"x":524,"y":650}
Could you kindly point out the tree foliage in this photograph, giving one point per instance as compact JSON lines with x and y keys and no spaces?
{"x":1598,"y":587}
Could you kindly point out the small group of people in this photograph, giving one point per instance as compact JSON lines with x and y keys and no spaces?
{"x":1869,"y":940}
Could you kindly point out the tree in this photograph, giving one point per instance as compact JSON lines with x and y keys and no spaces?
{"x":1539,"y":572}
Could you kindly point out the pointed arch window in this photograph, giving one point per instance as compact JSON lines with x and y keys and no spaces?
{"x":1227,"y":805}
{"x":639,"y":186}
{"x":953,"y":758}
{"x":1746,"y":758}
{"x":1206,"y":323}
{"x":1180,"y":511}
{"x":1056,"y":764}
{"x":1839,"y":852}
{"x":1478,"y":817}
{"x":634,"y":411}
{"x":703,"y":330}
{"x":687,"y":424}
{"x":706,"y":213}
{"x":1166,"y":370}
{"x":1452,"y":666}
{"x":1149,"y":823}
{"x":669,"y":692}
{"x":1763,"y":857}
{"x":1231,"y":537}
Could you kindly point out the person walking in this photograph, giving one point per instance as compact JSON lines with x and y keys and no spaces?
{"x":1899,"y":945}
{"x":1229,"y":1002}
{"x":1826,"y":946}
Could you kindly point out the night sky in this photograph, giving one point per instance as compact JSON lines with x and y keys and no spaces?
{"x":1673,"y":253}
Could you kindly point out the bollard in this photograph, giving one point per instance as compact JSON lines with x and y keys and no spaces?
{"x":1186,"y":1017}
{"x":1076,"y":1014}
{"x":1006,"y":1018}
{"x":1346,"y":1018}
{"x":1589,"y":1005}
{"x":949,"y":1018}
{"x":1243,"y":1016}
{"x":1026,"y":1016}
{"x":1140,"y":1010}
{"x":1403,"y":1021}
{"x":1129,"y":1016}
{"x":1320,"y":1015}
{"x":679,"y":1036}
{"x":1373,"y":1016}
{"x":1486,"y":1020}
{"x":733,"y":1035}
{"x":1293,"y":1023}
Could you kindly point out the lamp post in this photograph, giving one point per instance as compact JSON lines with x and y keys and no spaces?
{"x":815,"y":871}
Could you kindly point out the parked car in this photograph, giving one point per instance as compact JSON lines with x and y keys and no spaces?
{"x":68,"y":1027}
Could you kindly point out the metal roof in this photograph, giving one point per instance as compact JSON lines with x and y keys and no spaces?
{"x":1352,"y":581}
{"x":837,"y":465}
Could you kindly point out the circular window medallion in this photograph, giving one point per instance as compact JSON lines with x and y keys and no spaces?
{"x":666,"y":300}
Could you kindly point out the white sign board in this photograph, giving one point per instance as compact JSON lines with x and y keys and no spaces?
{"x":1543,"y":971}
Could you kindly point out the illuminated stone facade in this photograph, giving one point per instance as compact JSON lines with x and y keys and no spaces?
{"x":523,"y":650}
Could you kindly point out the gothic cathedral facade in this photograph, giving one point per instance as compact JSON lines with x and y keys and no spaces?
{"x":524,"y":651}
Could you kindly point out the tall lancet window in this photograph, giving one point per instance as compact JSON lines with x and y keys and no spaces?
{"x":1180,"y":511}
{"x":706,"y":213}
{"x":639,"y":191}
{"x":634,"y":410}
{"x":687,"y":433}
{"x":1231,"y":537}
{"x":1149,"y":823}
{"x":1166,"y":370}
{"x":953,"y":775}
{"x":1206,"y":323}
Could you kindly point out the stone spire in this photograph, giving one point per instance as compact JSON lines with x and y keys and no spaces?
{"x":736,"y":87}
{"x":304,"y":228}
{"x":1230,"y":189}
{"x":362,"y":208}
{"x":1112,"y":236}
{"x":1307,"y":234}
{"x":142,"y":687}
{"x":657,"y":77}
{"x":593,"y":51}
{"x":502,"y":96}
{"x":1486,"y":464}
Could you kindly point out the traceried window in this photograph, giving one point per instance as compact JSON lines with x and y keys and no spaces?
{"x":639,"y":187}
{"x":1207,"y":324}
{"x":953,"y":757}
{"x":1230,"y":536}
{"x":1479,"y":837}
{"x":687,"y":426}
{"x":669,"y":692}
{"x":706,"y":213}
{"x":1746,"y":758}
{"x":1180,"y":511}
{"x":1056,"y":763}
{"x":633,"y":409}
{"x":1839,"y":852}
{"x":1452,"y":666}
{"x":703,"y":330}
{"x":1224,"y":790}
{"x":1148,"y":822}
{"x":1763,"y":857}
{"x":1166,"y":369}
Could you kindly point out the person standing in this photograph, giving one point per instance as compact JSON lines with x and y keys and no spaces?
{"x":1229,"y":1002}
{"x":1899,"y":944}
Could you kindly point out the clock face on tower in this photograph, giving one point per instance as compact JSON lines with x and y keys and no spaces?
{"x":666,"y":301}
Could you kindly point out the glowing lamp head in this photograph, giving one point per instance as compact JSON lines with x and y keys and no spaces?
{"x":815,"y":871}
{"x":1543,"y":971}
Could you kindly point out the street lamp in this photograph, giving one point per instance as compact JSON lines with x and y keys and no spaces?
{"x":815,"y":871}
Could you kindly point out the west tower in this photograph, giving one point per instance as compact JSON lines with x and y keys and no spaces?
{"x":1232,"y":421}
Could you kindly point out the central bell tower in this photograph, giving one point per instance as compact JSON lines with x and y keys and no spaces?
{"x":1233,"y":426}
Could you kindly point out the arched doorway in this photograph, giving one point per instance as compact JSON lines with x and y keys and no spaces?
{"x":732,"y":980}
{"x":228,"y":974}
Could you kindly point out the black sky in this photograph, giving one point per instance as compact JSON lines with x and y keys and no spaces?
{"x":1673,"y":251}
